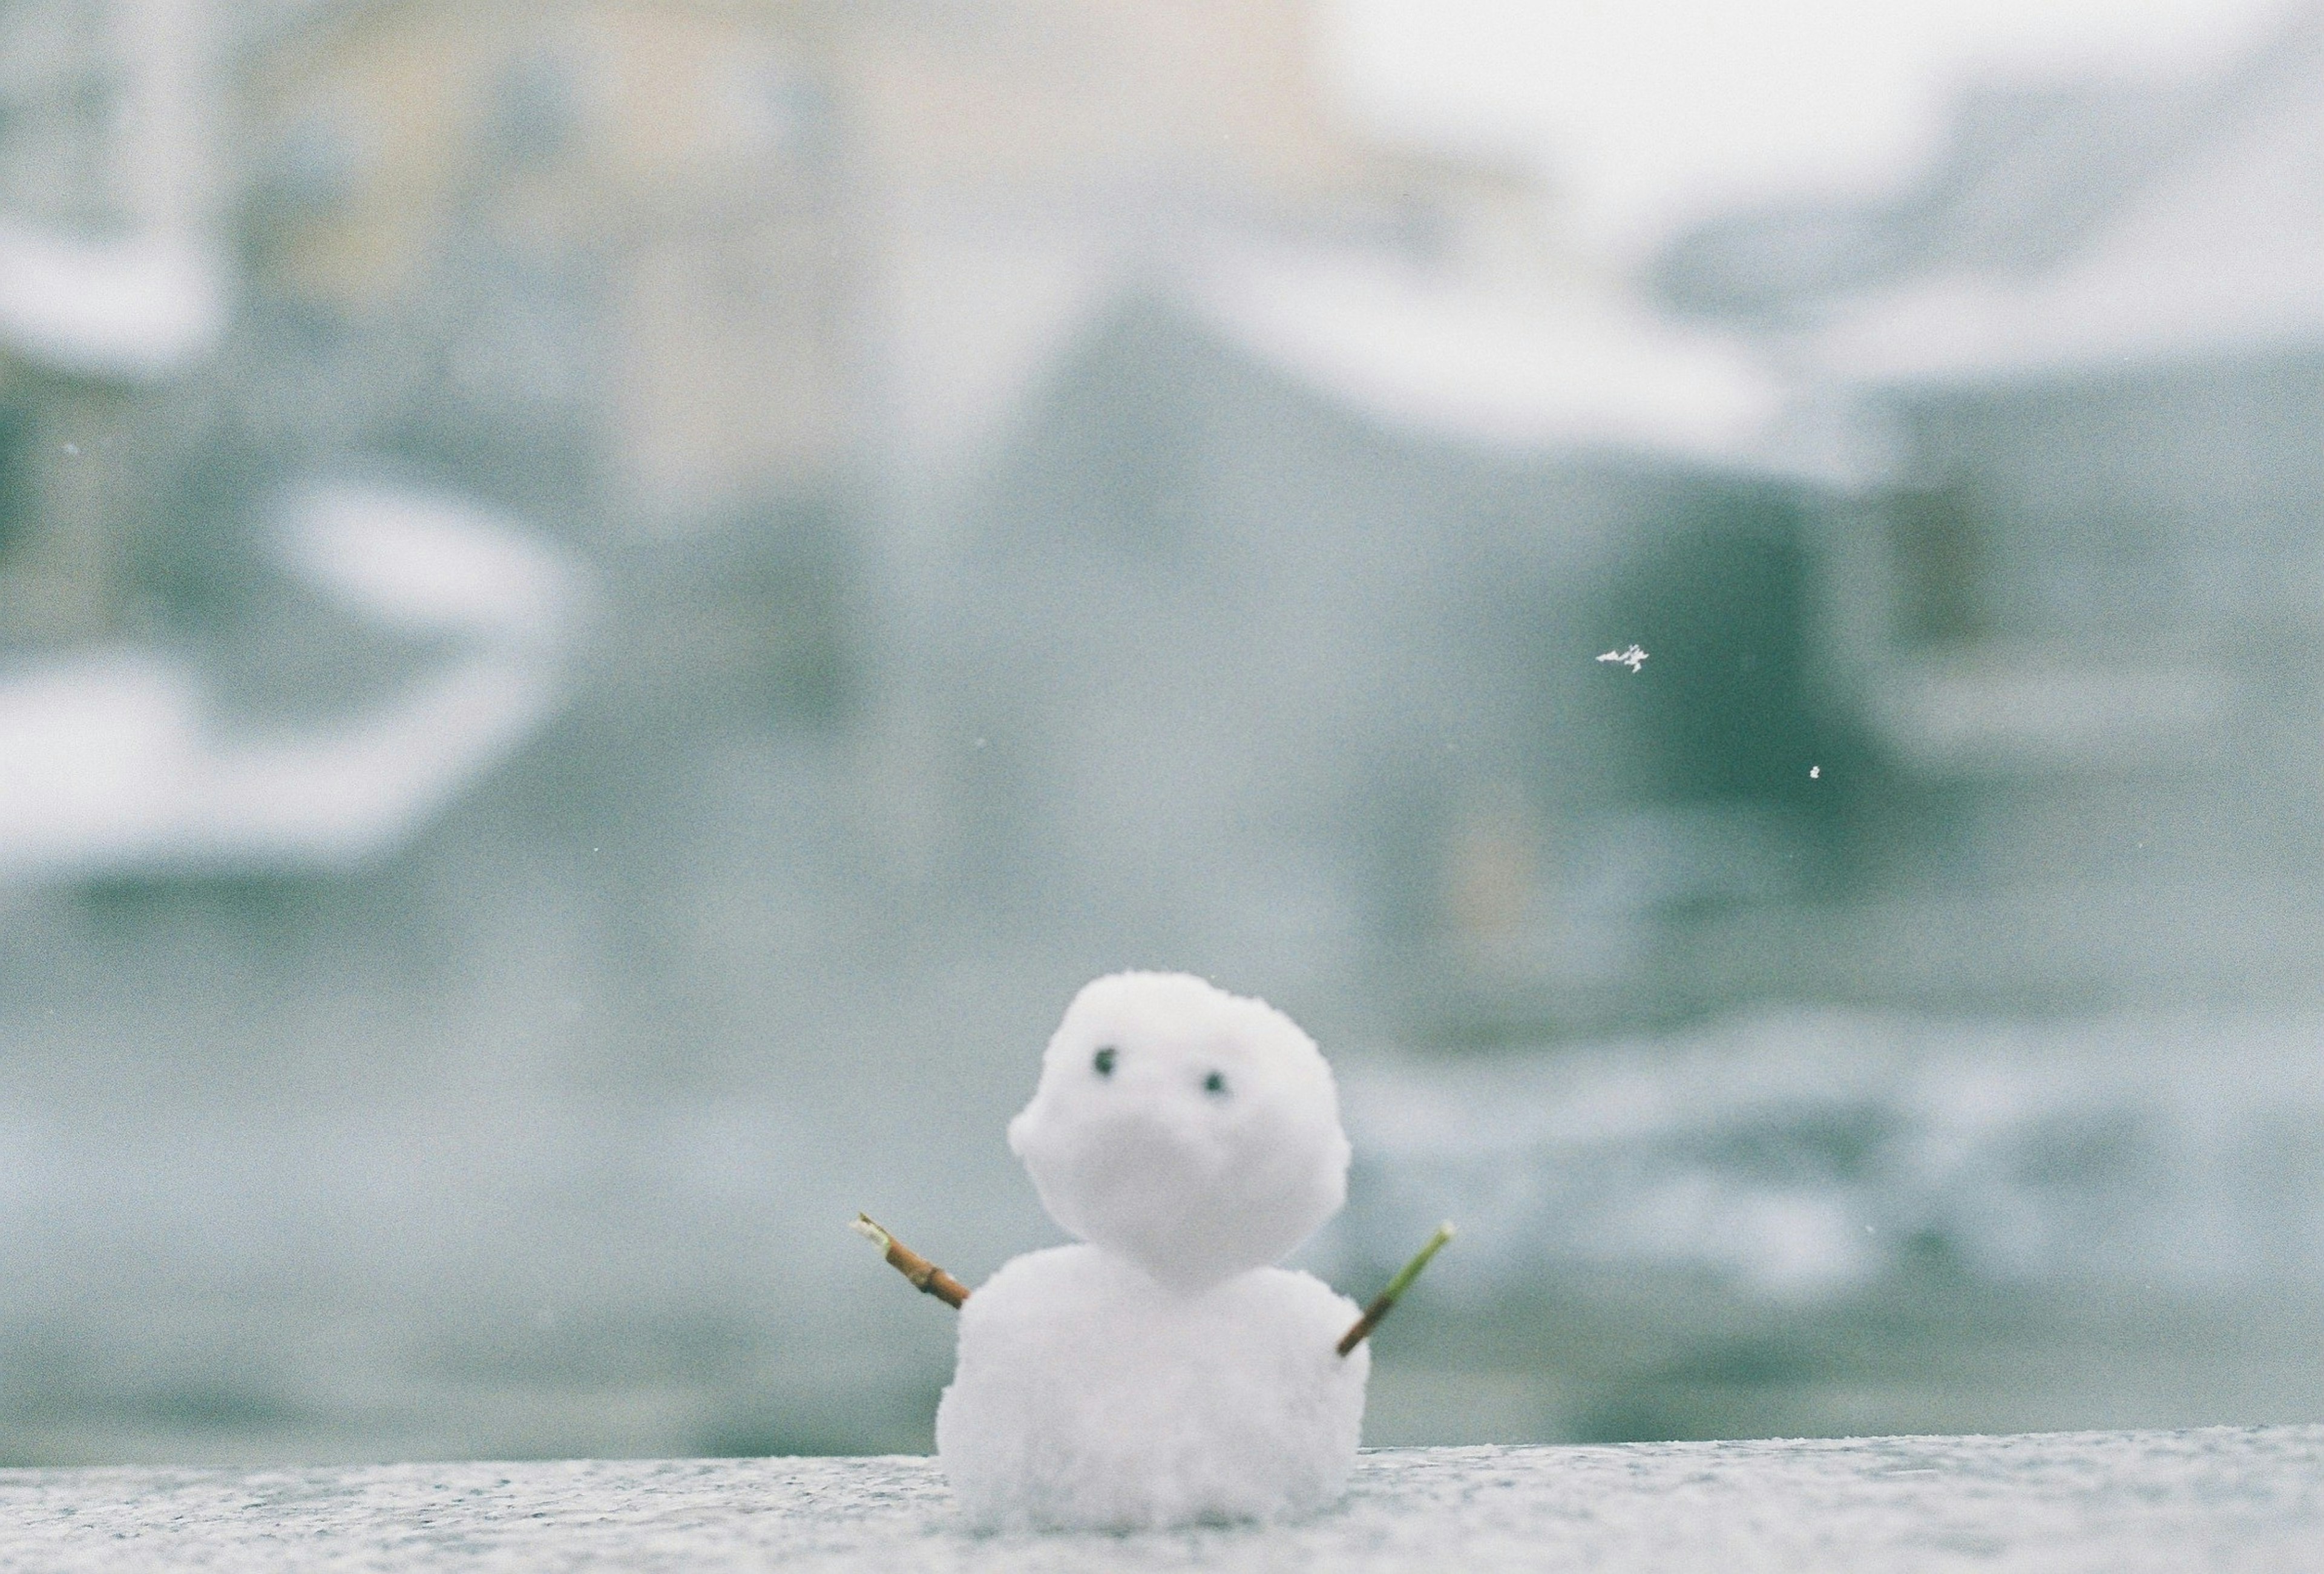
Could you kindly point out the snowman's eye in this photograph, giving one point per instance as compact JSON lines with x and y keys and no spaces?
{"x":1215,"y":1084}
{"x":1102,"y":1060}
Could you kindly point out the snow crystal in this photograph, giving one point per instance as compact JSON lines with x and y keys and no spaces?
{"x":1164,"y":1374}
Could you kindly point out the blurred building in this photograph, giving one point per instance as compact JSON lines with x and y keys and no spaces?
{"x":109,"y":285}
{"x":741,"y":250}
{"x":745,"y":295}
{"x":862,"y":348}
{"x":2074,"y":381}
{"x":1317,"y":559}
{"x":612,"y":227}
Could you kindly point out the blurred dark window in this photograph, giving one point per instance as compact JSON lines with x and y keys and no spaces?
{"x":753,"y":620}
{"x":536,"y":109}
{"x":310,"y":170}
{"x":802,"y":580}
{"x":19,"y":504}
{"x":1721,"y":605}
{"x":776,"y":107}
{"x":1937,"y":535}
{"x":58,"y":100}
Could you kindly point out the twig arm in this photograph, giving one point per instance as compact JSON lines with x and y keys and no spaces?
{"x":925,"y":1276}
{"x":930,"y":1280}
{"x":1384,"y":1302}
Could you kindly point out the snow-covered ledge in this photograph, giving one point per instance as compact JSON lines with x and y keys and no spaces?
{"x":2219,"y":1499}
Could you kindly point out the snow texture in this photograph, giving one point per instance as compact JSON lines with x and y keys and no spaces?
{"x":1164,"y":1374}
{"x":2220,"y":1500}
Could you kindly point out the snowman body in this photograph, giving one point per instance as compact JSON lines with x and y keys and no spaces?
{"x":1090,"y":1396}
{"x":1163,"y":1372}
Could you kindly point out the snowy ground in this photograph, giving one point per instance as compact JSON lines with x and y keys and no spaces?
{"x":2216,"y":1500}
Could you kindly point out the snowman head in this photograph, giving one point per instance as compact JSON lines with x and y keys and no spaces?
{"x":1196,"y":1132}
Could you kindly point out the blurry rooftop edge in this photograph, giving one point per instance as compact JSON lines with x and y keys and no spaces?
{"x":2066,"y":227}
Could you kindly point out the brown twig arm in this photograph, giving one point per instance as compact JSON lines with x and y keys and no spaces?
{"x":1363,"y":1326}
{"x":925,"y":1276}
{"x":1383,"y":1302}
{"x":930,"y":1280}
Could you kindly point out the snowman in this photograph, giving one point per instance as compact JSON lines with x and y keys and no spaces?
{"x":1163,"y":1371}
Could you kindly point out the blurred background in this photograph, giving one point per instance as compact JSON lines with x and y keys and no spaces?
{"x":606,"y":604}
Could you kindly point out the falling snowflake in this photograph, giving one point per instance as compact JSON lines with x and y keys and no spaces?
{"x":1633,"y":658}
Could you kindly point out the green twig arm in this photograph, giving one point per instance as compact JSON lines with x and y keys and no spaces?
{"x":1383,"y":1302}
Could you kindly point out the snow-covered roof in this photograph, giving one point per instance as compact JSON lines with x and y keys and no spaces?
{"x":2124,"y":309}
{"x":2068,"y":231}
{"x":2216,"y":249}
{"x":122,"y":762}
{"x":136,"y":309}
{"x":2026,"y":175}
{"x":1526,"y":368}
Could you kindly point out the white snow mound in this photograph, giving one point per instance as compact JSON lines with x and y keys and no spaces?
{"x":1090,"y":1396}
{"x":1164,"y":1374}
{"x":1193,"y":1131}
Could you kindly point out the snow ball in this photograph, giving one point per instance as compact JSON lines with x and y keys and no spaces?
{"x":1090,"y":1396}
{"x":1194,"y":1132}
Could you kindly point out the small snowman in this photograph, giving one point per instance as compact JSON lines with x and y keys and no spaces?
{"x":1163,"y":1371}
